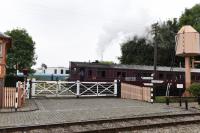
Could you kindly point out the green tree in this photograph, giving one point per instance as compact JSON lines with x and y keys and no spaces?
{"x":137,"y":51}
{"x":191,"y":17}
{"x":22,"y":53}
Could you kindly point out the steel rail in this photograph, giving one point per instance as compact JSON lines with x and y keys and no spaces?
{"x":141,"y":127}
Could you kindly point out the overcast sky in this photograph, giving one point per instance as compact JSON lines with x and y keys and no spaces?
{"x":83,"y":30}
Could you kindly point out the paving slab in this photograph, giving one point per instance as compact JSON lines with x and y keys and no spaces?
{"x":82,"y":109}
{"x":29,"y":105}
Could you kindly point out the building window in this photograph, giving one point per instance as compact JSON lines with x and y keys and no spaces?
{"x":55,"y":71}
{"x":61,"y":71}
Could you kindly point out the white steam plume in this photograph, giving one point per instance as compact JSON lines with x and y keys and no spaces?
{"x":120,"y":29}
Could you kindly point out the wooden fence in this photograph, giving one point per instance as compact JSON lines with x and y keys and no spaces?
{"x":11,"y":95}
{"x":129,"y":91}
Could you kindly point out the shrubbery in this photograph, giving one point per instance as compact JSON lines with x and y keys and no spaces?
{"x":195,"y":89}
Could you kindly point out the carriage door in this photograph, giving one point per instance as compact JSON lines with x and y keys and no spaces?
{"x":82,"y":74}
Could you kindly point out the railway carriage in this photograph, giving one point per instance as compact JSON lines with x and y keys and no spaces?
{"x":86,"y":71}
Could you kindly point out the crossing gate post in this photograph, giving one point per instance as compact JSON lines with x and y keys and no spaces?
{"x":152,"y":95}
{"x":30,"y":88}
{"x":97,"y":88}
{"x":119,"y":88}
{"x":78,"y":89}
{"x":33,"y":87}
{"x":115,"y":87}
{"x":27,"y":88}
{"x":16,"y":95}
{"x":57,"y":87}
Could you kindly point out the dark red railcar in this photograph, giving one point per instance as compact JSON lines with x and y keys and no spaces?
{"x":86,"y":71}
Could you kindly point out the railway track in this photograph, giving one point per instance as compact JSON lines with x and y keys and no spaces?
{"x":111,"y":125}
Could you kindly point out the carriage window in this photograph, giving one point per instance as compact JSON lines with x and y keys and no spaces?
{"x":66,"y":71}
{"x":101,"y":73}
{"x":118,"y":74}
{"x":55,"y":71}
{"x":123,"y":74}
{"x":61,"y":71}
{"x":89,"y":72}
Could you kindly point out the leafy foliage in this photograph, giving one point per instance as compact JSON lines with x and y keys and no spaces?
{"x":191,"y":17}
{"x":136,"y":51}
{"x":22,"y":53}
{"x":195,"y":89}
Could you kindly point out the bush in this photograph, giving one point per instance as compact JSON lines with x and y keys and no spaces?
{"x":194,"y":89}
{"x":160,"y":99}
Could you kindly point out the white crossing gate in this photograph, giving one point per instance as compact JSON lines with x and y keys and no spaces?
{"x":77,"y":88}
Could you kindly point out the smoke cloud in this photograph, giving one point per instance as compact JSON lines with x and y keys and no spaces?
{"x":119,"y":30}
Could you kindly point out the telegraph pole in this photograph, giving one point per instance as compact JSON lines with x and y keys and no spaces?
{"x":155,"y":57}
{"x":155,"y":50}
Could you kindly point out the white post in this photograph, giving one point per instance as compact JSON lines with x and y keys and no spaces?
{"x":78,"y":88}
{"x":59,"y":85}
{"x":27,"y":89}
{"x":57,"y":88}
{"x":115,"y":87}
{"x":151,"y":95}
{"x":33,"y":86}
{"x":97,"y":88}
